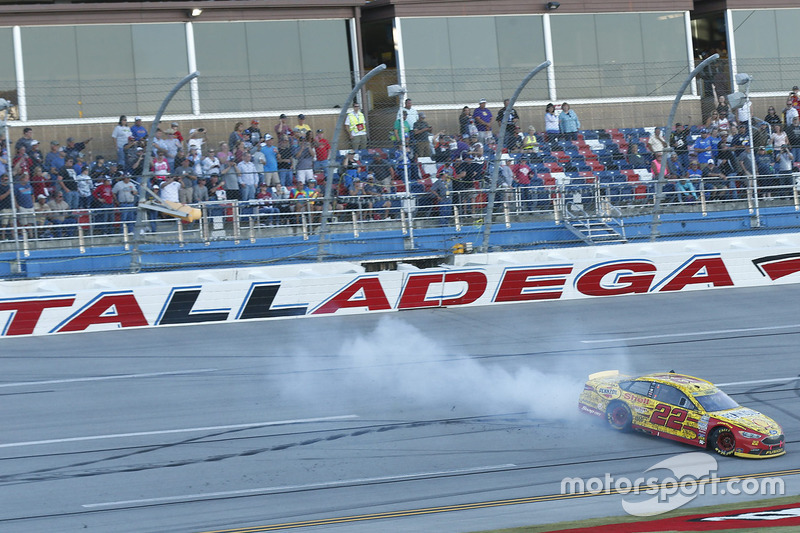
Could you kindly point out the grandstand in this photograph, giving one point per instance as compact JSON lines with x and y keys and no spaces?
{"x":569,"y":192}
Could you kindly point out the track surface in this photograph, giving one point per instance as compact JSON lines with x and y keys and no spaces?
{"x":248,"y":426}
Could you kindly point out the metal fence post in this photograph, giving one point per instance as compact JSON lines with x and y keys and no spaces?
{"x":487,"y":225}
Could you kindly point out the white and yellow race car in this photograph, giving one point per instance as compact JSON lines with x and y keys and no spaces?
{"x":682,"y":408}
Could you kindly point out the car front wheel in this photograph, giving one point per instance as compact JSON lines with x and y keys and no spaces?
{"x":619,"y":416}
{"x":722,"y":441}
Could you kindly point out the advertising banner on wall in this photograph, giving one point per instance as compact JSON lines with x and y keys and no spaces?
{"x":82,"y":304}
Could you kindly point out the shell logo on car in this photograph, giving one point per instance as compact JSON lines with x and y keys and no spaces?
{"x":681,"y":408}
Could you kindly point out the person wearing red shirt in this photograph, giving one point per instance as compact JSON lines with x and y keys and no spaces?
{"x":322,"y":148}
{"x":104,"y":202}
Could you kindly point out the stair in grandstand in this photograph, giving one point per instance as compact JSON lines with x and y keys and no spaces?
{"x":595,"y":231}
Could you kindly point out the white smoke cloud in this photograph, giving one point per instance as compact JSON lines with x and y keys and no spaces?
{"x":397,"y":364}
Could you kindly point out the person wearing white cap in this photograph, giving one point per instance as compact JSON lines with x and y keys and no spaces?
{"x":270,"y":152}
{"x":483,"y":121}
{"x":41,"y":210}
{"x":138,"y":130}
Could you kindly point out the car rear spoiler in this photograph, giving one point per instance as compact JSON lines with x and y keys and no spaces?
{"x":604,"y":374}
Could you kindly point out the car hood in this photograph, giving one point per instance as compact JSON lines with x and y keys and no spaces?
{"x":748,"y":419}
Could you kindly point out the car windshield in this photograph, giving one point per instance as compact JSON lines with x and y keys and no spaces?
{"x":719,"y":401}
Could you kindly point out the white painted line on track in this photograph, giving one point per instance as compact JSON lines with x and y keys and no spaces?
{"x":268,"y":490}
{"x":106,"y":378}
{"x":693,"y":334}
{"x":757,"y":381}
{"x":173,"y":431}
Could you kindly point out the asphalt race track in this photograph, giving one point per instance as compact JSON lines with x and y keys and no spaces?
{"x":420,"y":421}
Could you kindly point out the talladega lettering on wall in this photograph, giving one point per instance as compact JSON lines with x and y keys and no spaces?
{"x":353,"y":291}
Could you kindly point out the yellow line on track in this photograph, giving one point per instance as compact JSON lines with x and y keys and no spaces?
{"x":487,"y":504}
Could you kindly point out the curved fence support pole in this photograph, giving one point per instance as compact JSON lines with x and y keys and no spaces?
{"x":146,"y":174}
{"x":487,"y":225}
{"x":659,"y":192}
{"x":326,"y":203}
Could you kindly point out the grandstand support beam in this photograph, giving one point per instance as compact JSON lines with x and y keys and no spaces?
{"x":146,"y":173}
{"x":659,"y":192}
{"x":487,"y":225}
{"x":326,"y":202}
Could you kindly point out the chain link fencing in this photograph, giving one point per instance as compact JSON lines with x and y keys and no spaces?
{"x":593,"y":185}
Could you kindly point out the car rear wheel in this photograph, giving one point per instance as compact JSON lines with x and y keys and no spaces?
{"x":619,"y":416}
{"x":722,"y":441}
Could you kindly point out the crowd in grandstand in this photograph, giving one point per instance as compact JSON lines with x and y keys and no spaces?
{"x":281,"y":170}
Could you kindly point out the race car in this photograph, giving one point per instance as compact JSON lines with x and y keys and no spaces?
{"x":682,"y":408}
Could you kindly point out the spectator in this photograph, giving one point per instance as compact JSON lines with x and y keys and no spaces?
{"x":35,"y":154}
{"x":657,"y":143}
{"x":170,"y":189}
{"x":772,"y":118}
{"x":679,"y":141}
{"x":793,"y":134}
{"x":568,"y":123}
{"x":413,"y":114}
{"x":282,"y":127}
{"x":6,"y":211}
{"x":483,"y":121}
{"x":138,"y":130}
{"x":23,"y":194}
{"x":784,"y":165}
{"x":41,"y":183}
{"x":60,"y":215}
{"x":171,"y":146}
{"x":529,"y":143}
{"x":22,"y":162}
{"x":761,"y":135}
{"x":120,"y":135}
{"x":229,"y":175}
{"x":401,"y":128}
{"x":25,"y":140}
{"x":740,"y":146}
{"x":248,"y":177}
{"x":356,"y":127}
{"x":301,"y":129}
{"x":778,"y":139}
{"x":254,"y":131}
{"x":75,"y":149}
{"x":270,"y":154}
{"x":186,"y":176}
{"x":211,"y":165}
{"x":161,"y":167}
{"x":54,"y":159}
{"x":285,"y":162}
{"x":635,"y":159}
{"x":41,"y":211}
{"x":201,"y":190}
{"x":420,"y":137}
{"x":197,"y":138}
{"x":84,"y":182}
{"x":716,"y":181}
{"x":304,"y":194}
{"x":723,"y":108}
{"x":323,"y":150}
{"x":126,"y":194}
{"x":134,"y":158}
{"x":375,"y":191}
{"x":764,"y":166}
{"x":789,"y":112}
{"x":305,"y":162}
{"x":464,"y":120}
{"x":67,"y":184}
{"x":104,"y":206}
{"x":551,"y":125}
{"x":513,"y":120}
{"x":237,"y":135}
{"x":266,"y":205}
{"x":702,"y":147}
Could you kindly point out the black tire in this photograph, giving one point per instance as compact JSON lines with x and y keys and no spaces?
{"x":619,"y":416}
{"x":722,"y":441}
